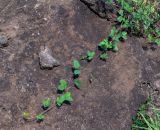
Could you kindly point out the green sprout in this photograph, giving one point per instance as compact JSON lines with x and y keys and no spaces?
{"x":66,"y":97}
{"x":76,"y":73}
{"x":90,"y":55}
{"x":103,"y":56}
{"x":105,"y":45}
{"x":40,"y":117}
{"x":76,"y":64}
{"x":46,"y":103}
{"x":77,"y":83}
{"x":62,"y":85}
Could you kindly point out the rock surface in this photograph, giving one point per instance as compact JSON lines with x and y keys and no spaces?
{"x":69,"y":29}
{"x":47,"y":61}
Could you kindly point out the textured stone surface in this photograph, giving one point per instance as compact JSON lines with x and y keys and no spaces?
{"x":69,"y":29}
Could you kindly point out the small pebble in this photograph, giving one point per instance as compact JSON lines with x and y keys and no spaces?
{"x":47,"y":61}
{"x":3,"y":41}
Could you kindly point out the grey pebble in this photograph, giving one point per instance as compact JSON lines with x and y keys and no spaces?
{"x":47,"y":61}
{"x":3,"y":41}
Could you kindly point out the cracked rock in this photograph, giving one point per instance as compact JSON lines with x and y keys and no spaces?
{"x":47,"y":61}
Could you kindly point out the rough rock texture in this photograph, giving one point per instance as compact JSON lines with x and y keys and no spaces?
{"x":47,"y":61}
{"x":69,"y":28}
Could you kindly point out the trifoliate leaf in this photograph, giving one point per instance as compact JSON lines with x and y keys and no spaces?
{"x":76,"y":64}
{"x":103,"y":56}
{"x":77,"y":83}
{"x":65,"y":97}
{"x":90,"y":55}
{"x":46,"y":103}
{"x":62,"y":85}
{"x":76,"y":72}
{"x":68,"y":97}
{"x":40,"y":117}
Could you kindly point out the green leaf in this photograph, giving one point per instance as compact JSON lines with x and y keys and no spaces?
{"x":68,"y":97}
{"x":40,"y":117}
{"x":60,"y":100}
{"x":120,"y":19}
{"x":158,"y":32}
{"x":120,"y":12}
{"x":104,"y":56}
{"x":105,"y":44}
{"x":150,"y":38}
{"x":65,"y":97}
{"x":115,"y":47}
{"x":76,"y":64}
{"x":90,"y":55}
{"x":124,"y":35}
{"x":157,"y":42}
{"x":113,"y":32}
{"x":62,"y":85}
{"x":46,"y":103}
{"x":77,"y":83}
{"x":76,"y":72}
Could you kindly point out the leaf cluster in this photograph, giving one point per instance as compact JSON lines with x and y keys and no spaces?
{"x":66,"y":97}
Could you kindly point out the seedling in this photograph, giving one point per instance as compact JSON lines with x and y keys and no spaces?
{"x":121,"y":19}
{"x":90,"y":55}
{"x":62,"y":85}
{"x":46,"y":103}
{"x":66,"y":97}
{"x":25,"y":115}
{"x":103,"y":56}
{"x":123,"y":35}
{"x":105,"y":45}
{"x":76,"y":64}
{"x":76,"y":73}
{"x":77,"y":83}
{"x":40,"y":117}
{"x":115,"y":48}
{"x":76,"y":67}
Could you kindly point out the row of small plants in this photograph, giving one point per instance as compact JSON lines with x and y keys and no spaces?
{"x":137,"y":17}
{"x":64,"y":96}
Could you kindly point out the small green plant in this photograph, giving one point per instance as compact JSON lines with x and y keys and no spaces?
{"x":62,"y":85}
{"x":76,"y":68}
{"x":76,"y":64}
{"x":66,"y":97}
{"x":105,"y":45}
{"x":103,"y":56}
{"x":90,"y":55}
{"x":76,"y":73}
{"x":25,"y":115}
{"x":40,"y":117}
{"x":111,"y":43}
{"x":46,"y":103}
{"x":77,"y":83}
{"x":117,"y":35}
{"x":121,"y":19}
